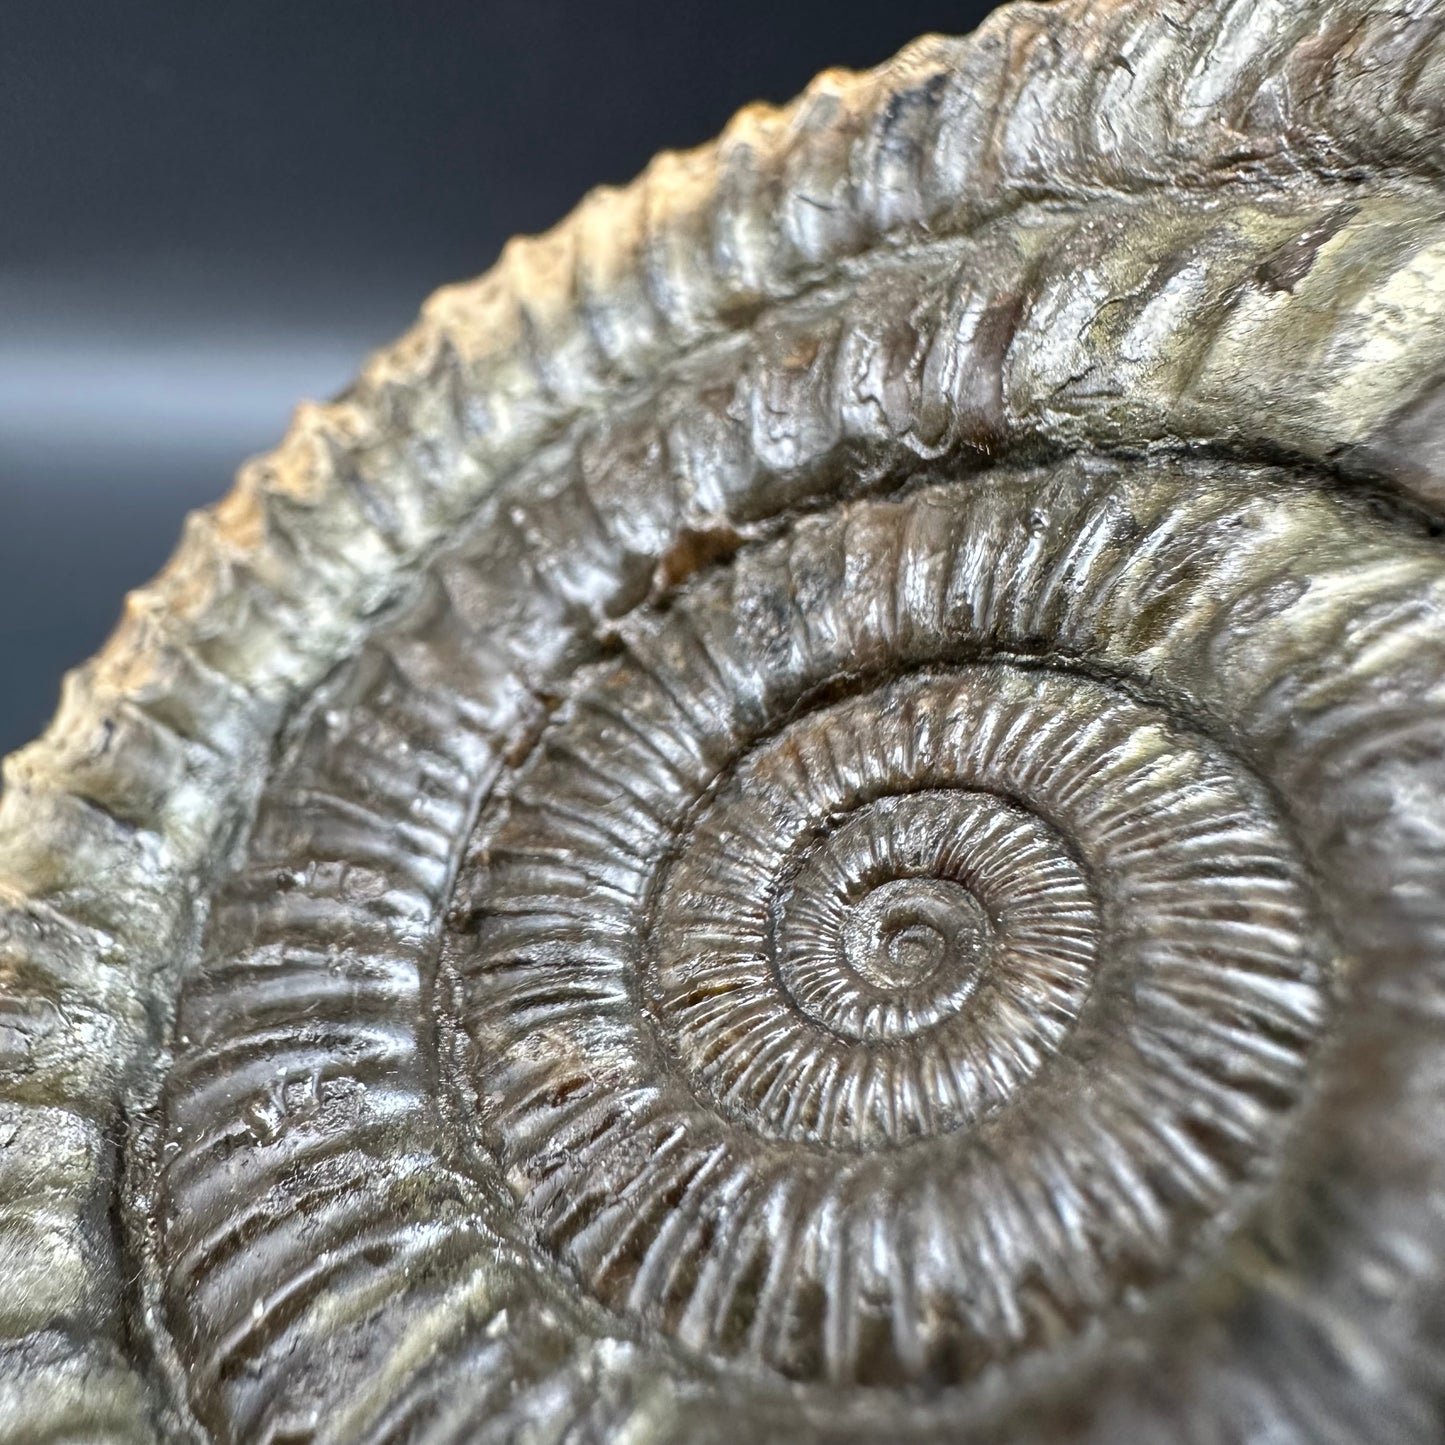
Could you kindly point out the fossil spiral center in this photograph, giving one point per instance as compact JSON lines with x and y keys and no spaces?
{"x":903,"y":932}
{"x":841,"y":961}
{"x":811,"y":952}
{"x":886,"y":922}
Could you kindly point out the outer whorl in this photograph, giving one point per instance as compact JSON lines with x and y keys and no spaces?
{"x":813,"y":813}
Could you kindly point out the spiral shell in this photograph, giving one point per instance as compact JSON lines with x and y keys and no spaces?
{"x":813,"y":814}
{"x":1036,"y":970}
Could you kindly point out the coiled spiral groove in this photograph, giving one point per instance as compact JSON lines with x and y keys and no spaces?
{"x":898,"y":960}
{"x":1085,"y":878}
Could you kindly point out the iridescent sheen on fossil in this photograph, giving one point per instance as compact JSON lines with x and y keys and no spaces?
{"x":813,"y":814}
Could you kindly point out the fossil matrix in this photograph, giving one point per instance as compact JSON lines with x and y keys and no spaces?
{"x":814,"y":813}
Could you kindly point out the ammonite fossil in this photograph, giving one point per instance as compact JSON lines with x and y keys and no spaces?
{"x":815,"y":813}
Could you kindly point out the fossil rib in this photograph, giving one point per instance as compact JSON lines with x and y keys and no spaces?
{"x":813,"y":810}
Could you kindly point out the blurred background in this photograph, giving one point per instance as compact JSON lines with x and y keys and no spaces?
{"x":209,"y":211}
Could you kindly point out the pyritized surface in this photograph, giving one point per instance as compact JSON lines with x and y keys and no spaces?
{"x":898,"y":958}
{"x":813,"y":813}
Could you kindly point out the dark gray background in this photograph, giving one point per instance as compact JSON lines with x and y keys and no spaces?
{"x":210,"y":209}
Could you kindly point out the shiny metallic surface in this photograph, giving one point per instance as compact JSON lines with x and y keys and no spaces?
{"x":812,"y":813}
